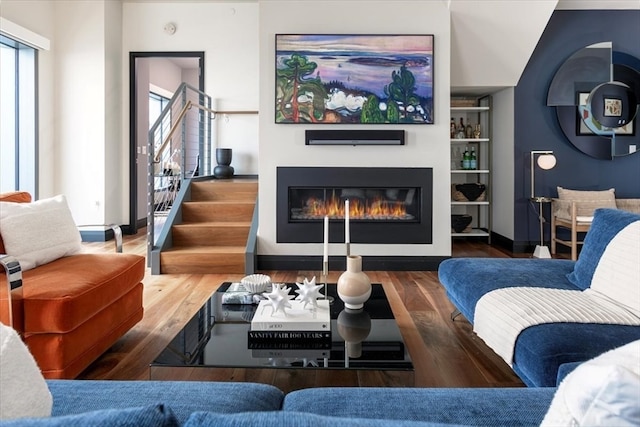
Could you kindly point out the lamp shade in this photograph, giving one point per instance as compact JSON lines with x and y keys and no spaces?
{"x":547,"y":161}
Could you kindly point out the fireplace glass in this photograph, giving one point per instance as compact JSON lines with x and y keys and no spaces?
{"x":375,"y":204}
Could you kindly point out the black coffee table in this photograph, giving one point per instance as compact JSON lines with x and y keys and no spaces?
{"x":217,"y":338}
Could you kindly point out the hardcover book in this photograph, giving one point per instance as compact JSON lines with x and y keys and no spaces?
{"x":303,"y":353}
{"x":295,"y":318}
{"x":299,"y":339}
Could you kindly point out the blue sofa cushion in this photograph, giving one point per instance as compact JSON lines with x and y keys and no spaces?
{"x":148,"y":416}
{"x":471,"y":406}
{"x":466,"y":280}
{"x":606,"y":224}
{"x":184,"y":397}
{"x":293,"y":419}
{"x":541,"y":349}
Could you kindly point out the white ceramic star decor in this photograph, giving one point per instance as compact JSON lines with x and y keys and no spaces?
{"x":279,"y":298}
{"x":308,"y":292}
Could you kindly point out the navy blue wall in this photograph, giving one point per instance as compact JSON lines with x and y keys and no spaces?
{"x":537,"y":128}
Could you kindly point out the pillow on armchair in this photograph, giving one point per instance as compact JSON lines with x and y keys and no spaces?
{"x":39,"y":232}
{"x":588,"y":201}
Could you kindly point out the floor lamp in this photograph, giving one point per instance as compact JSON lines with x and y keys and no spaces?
{"x":546,"y":161}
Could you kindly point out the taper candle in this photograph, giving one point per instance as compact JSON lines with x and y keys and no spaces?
{"x":347,"y":238}
{"x":325,"y":254}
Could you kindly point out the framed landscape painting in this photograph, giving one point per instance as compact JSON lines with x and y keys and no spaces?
{"x":368,"y":79}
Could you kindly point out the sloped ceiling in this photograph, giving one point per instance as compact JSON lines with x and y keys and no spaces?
{"x":492,"y":41}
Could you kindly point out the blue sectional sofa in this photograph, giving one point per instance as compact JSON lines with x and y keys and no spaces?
{"x":193,"y":403}
{"x":545,"y":353}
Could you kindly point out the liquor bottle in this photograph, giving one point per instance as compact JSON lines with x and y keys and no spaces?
{"x":453,"y":128}
{"x":460,"y":130}
{"x":466,"y":159}
{"x":468,"y":131}
{"x":473,"y":160}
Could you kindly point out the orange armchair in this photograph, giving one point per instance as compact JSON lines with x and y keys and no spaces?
{"x":71,"y":310}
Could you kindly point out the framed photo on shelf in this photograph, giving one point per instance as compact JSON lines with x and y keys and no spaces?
{"x":354,"y":79}
{"x":612,"y":108}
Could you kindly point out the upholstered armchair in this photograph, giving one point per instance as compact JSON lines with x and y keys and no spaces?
{"x":68,"y":306}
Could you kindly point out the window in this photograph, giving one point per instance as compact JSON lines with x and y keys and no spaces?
{"x":157,"y":103}
{"x":18,"y":126}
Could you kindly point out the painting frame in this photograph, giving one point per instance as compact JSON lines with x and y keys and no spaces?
{"x":581,"y":128}
{"x":354,"y":79}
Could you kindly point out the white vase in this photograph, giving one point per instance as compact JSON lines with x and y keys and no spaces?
{"x":354,"y":286}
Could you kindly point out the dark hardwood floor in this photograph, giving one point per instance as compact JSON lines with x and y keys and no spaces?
{"x":445,"y":353}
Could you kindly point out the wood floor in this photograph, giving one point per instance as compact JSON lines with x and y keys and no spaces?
{"x":445,"y":353}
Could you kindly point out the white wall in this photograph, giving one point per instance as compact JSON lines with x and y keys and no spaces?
{"x":502,"y":194}
{"x":283,"y":145}
{"x":114,"y":149}
{"x":80,"y":108}
{"x":164,"y":73}
{"x":492,"y":40}
{"x":227,"y":33}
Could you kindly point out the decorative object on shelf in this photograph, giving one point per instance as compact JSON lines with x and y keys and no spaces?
{"x":256,"y":283}
{"x":464,"y":102}
{"x":398,"y":65}
{"x":223,"y":158}
{"x":459,"y":222}
{"x":354,"y":286}
{"x":468,"y":192}
{"x":477,"y":132}
{"x":279,"y":298}
{"x":354,"y":327}
{"x":308,"y":292}
{"x":546,"y":161}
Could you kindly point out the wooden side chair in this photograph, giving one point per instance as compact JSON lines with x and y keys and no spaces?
{"x":565,"y":215}
{"x":573,"y":210}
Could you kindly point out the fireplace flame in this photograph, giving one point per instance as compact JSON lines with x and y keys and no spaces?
{"x":376,"y":208}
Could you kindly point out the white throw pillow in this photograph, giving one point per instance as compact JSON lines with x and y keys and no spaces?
{"x":23,"y":390}
{"x":39,"y":232}
{"x":604,"y":391}
{"x":617,"y":275}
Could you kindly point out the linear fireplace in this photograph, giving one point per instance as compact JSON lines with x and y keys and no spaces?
{"x":386,"y":205}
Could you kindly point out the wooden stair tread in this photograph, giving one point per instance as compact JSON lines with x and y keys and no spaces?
{"x":219,"y":202}
{"x":206,"y":249}
{"x":214,"y":224}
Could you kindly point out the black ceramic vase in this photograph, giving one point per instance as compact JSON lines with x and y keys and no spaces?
{"x":223,"y":158}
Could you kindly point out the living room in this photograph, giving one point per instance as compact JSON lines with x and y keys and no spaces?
{"x":84,"y":146}
{"x":89,"y":60}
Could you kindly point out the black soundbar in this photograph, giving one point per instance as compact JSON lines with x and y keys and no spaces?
{"x":354,"y":137}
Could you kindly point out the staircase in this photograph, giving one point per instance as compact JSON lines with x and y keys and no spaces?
{"x":212,"y":237}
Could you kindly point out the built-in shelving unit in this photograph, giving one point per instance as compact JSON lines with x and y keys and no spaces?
{"x":477,"y":114}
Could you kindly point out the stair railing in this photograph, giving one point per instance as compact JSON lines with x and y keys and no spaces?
{"x":180,"y":148}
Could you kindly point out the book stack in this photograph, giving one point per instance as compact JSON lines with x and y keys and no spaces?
{"x":298,"y":333}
